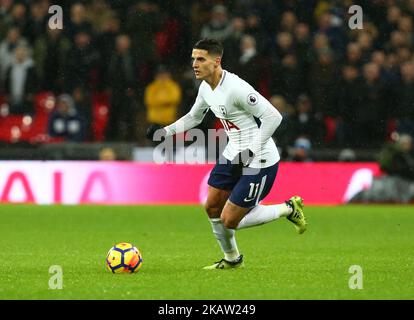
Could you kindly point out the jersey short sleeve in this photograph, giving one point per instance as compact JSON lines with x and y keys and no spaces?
{"x":245,"y":96}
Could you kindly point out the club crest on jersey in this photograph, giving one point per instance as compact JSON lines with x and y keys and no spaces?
{"x":252,"y":99}
{"x":223,"y":109}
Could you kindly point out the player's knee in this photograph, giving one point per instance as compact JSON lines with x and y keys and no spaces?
{"x":212,"y":210}
{"x":230,"y":222}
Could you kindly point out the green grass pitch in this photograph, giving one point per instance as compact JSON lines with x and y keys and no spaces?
{"x":176,"y":242}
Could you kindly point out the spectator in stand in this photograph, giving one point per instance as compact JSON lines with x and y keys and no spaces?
{"x":219,"y":26}
{"x":78,"y":21}
{"x":142,"y":23}
{"x":20,"y":83}
{"x":396,"y":158}
{"x":83,"y":105}
{"x":124,"y":85}
{"x":97,"y":14}
{"x":330,"y":25}
{"x":288,"y":22}
{"x":323,"y":82}
{"x":365,"y":41}
{"x":391,"y":68}
{"x":409,"y":7}
{"x":254,"y":27}
{"x":284,"y":134}
{"x":38,"y":21}
{"x":168,"y":39}
{"x":162,"y":98}
{"x":379,"y":58}
{"x":81,"y":60}
{"x":50,"y":52}
{"x":19,"y":17}
{"x":354,"y":55}
{"x":105,"y":44}
{"x":348,"y":99}
{"x":303,"y":42}
{"x":306,"y":123}
{"x":370,"y":118}
{"x":393,"y":16}
{"x":404,"y":54}
{"x":397,"y":39}
{"x":319,"y":42}
{"x":232,"y":43}
{"x":301,"y":151}
{"x":284,"y":45}
{"x":107,"y":154}
{"x":405,"y":25}
{"x":287,"y":78}
{"x":404,"y":100}
{"x":5,"y":17}
{"x":65,"y":122}
{"x":7,"y":46}
{"x":249,"y":66}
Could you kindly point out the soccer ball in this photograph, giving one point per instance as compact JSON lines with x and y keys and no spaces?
{"x":123,"y":258}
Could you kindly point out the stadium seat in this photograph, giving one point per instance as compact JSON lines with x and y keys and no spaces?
{"x":100,"y":111}
{"x":33,"y":129}
{"x":330,"y":124}
{"x":44,"y":102}
{"x":11,"y":128}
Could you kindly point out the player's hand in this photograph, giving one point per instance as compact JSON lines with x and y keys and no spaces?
{"x":154,"y":128}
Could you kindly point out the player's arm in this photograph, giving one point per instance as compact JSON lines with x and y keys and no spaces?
{"x":192,"y":119}
{"x":257,"y":105}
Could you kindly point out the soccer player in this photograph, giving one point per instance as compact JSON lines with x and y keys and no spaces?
{"x":245,"y":172}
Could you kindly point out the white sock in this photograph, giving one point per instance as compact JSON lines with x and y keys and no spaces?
{"x":264,"y":214}
{"x":226,"y":239}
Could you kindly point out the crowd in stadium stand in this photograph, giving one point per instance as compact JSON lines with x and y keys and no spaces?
{"x":117,"y":66}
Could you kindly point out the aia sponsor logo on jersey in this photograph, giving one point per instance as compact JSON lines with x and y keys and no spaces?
{"x":228,"y":125}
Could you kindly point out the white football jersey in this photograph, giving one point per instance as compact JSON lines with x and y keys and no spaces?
{"x":236,"y":103}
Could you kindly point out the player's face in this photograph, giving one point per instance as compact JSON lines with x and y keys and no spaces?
{"x":203,"y":64}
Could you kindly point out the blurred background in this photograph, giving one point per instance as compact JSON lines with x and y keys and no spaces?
{"x":90,"y":90}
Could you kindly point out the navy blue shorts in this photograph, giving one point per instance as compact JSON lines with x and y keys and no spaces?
{"x":248,"y":189}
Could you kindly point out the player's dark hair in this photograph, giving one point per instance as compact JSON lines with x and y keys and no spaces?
{"x":213,"y":46}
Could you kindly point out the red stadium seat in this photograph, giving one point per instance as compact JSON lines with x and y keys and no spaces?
{"x":330,"y":124}
{"x":11,"y":128}
{"x":39,"y":128}
{"x":44,"y":102}
{"x":100,"y":111}
{"x":16,"y":128}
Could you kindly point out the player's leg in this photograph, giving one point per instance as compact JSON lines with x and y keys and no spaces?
{"x":216,"y":199}
{"x":243,"y":209}
{"x":292,"y":209}
{"x":221,"y":182}
{"x":232,"y":214}
{"x":229,"y":214}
